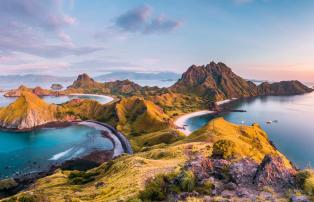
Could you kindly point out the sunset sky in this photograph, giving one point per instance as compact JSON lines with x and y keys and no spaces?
{"x":258,"y":39}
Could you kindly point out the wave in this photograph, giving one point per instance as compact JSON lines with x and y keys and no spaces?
{"x":60,"y":155}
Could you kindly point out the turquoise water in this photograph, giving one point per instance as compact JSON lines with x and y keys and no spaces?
{"x":25,"y":152}
{"x":4,"y":101}
{"x":293,"y":134}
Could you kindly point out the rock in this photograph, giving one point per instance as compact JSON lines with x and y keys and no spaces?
{"x":266,"y":195}
{"x":243,"y":171}
{"x":301,"y":198}
{"x":273,"y":172}
{"x":230,"y":186}
{"x":7,"y":184}
{"x":56,"y":86}
{"x":228,"y":194}
{"x":99,"y":184}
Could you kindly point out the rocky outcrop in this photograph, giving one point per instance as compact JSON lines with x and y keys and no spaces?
{"x":214,"y":81}
{"x":56,"y":86}
{"x":273,"y":172}
{"x":283,"y":88}
{"x":26,"y":112}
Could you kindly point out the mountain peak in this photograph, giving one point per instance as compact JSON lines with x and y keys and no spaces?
{"x":84,"y":81}
{"x":215,"y":81}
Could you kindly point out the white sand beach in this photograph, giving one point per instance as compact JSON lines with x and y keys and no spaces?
{"x":118,"y":149}
{"x":180,"y":121}
{"x":107,"y":98}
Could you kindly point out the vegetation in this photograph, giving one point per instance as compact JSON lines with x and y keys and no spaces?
{"x":224,"y":149}
{"x":305,"y":180}
{"x":80,"y":177}
{"x":249,"y":141}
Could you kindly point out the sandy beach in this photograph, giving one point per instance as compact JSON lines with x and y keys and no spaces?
{"x":109,"y":99}
{"x":180,"y":121}
{"x":118,"y":149}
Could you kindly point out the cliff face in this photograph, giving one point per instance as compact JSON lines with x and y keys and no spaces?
{"x":283,"y":88}
{"x":27,"y":112}
{"x":214,"y":81}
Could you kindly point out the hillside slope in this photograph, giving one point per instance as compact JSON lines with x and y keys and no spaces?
{"x":27,"y":112}
{"x":186,"y":170}
{"x":283,"y":88}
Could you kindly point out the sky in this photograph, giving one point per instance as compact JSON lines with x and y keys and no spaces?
{"x":258,"y":39}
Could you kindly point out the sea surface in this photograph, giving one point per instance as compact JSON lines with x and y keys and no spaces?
{"x":293,"y":133}
{"x":26,"y":152}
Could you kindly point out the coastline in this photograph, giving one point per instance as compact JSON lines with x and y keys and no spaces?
{"x":110,"y":99}
{"x":180,"y":121}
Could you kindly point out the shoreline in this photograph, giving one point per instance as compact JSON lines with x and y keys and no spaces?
{"x":180,"y":122}
{"x":87,"y":161}
{"x":110,"y":99}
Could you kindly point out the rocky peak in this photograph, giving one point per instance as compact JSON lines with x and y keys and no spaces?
{"x":215,"y":81}
{"x":84,"y":81}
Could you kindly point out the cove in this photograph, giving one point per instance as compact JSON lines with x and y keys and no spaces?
{"x":293,"y":134}
{"x":38,"y":150}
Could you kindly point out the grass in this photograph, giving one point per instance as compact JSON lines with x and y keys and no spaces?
{"x":249,"y":141}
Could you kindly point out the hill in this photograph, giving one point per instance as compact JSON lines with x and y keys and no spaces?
{"x":37,"y":91}
{"x":215,"y":82}
{"x":27,"y":112}
{"x":283,"y":88}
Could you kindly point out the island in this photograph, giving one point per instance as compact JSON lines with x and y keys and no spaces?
{"x":221,"y":161}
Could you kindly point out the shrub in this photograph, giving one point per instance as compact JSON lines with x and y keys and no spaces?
{"x":28,"y":198}
{"x":78,"y":177}
{"x":154,"y":190}
{"x":206,"y":188}
{"x":224,"y":149}
{"x":301,"y":176}
{"x":309,"y":185}
{"x":187,"y":181}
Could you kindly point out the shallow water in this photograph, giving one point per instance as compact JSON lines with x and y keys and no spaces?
{"x":25,"y":152}
{"x":293,"y":134}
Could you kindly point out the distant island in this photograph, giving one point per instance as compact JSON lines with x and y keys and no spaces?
{"x":220,"y":161}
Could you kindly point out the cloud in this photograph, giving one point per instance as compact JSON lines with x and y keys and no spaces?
{"x":141,"y":20}
{"x":37,"y":27}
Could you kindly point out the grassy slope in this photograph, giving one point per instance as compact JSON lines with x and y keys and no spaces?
{"x":175,"y":104}
{"x":122,"y":178}
{"x":250,"y":141}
